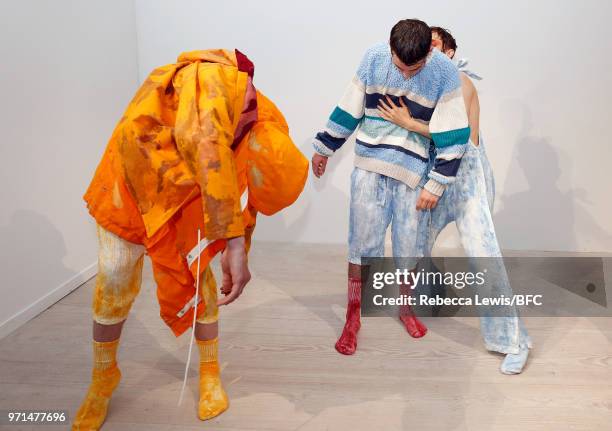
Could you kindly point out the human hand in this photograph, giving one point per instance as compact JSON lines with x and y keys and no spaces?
{"x":234,"y":266}
{"x":399,"y":115}
{"x":319,"y":163}
{"x":427,"y":200}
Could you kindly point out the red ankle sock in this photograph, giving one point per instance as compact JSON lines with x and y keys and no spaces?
{"x":413,"y":325}
{"x":347,"y":343}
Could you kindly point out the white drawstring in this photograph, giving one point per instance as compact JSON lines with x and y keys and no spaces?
{"x":195,"y":312}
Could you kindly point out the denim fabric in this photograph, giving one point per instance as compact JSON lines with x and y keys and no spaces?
{"x":469,"y":202}
{"x":376,"y":202}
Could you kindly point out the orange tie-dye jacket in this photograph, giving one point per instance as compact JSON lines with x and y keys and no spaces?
{"x":173,"y":166}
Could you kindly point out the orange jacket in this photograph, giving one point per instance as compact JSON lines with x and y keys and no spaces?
{"x":172,"y":166}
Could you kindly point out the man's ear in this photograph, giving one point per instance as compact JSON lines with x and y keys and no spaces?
{"x":450,"y":53}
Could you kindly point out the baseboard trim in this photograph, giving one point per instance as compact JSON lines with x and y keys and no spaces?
{"x":31,"y":311}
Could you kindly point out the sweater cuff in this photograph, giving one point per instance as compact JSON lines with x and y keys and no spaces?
{"x":432,"y":186}
{"x":321,"y":149}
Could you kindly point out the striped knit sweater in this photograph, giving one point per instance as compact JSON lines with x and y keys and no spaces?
{"x":433,"y":96}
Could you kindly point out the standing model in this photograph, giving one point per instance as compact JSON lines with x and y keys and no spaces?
{"x":390,"y":181}
{"x":469,"y":202}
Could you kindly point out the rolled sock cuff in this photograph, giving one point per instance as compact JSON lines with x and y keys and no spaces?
{"x":209,"y":350}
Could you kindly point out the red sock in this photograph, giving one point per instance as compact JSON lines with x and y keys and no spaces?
{"x":413,"y":325}
{"x":347,"y":343}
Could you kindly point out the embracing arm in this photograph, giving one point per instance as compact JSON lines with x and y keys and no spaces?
{"x":420,"y":128}
{"x":401,"y":116}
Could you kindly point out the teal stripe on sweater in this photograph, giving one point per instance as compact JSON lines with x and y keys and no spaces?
{"x":344,"y":119}
{"x":374,"y":128}
{"x":451,"y":137}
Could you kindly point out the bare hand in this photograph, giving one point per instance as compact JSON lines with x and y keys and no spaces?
{"x":399,"y":115}
{"x":319,"y":163}
{"x":427,"y":200}
{"x":235,"y":269}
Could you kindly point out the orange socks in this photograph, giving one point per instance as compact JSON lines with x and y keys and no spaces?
{"x":106,"y":376}
{"x":104,"y":380}
{"x":213,"y":399}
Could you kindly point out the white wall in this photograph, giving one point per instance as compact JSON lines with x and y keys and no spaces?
{"x":68,"y":70}
{"x":545,"y":98}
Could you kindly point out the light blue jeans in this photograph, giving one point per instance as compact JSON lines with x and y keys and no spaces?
{"x":469,"y":203}
{"x":376,"y":202}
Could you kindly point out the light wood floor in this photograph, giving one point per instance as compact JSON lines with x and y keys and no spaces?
{"x":282,"y":373}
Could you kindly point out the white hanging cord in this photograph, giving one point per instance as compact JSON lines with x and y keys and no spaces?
{"x":195,"y":312}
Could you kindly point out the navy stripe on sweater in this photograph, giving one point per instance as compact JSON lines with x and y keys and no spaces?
{"x":394,"y":147}
{"x":330,"y":141}
{"x":418,"y":111}
{"x":447,"y":168}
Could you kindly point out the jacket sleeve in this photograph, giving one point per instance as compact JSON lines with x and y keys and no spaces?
{"x":347,"y":114}
{"x":450,"y":132}
{"x":277,"y":169}
{"x":204,"y":135}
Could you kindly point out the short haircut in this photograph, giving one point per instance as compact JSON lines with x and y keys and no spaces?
{"x":448,"y":41}
{"x":410,"y":40}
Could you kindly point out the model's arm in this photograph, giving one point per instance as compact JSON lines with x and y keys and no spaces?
{"x":474,"y":119}
{"x":344,"y":119}
{"x":204,"y":132}
{"x":450,"y":132}
{"x":401,"y":116}
{"x":470,"y":97}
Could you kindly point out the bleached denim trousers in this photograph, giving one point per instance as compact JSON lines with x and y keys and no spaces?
{"x":469,"y":203}
{"x":378,"y":201}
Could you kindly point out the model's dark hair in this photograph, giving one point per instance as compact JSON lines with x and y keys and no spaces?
{"x":448,"y":41}
{"x":410,"y":40}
